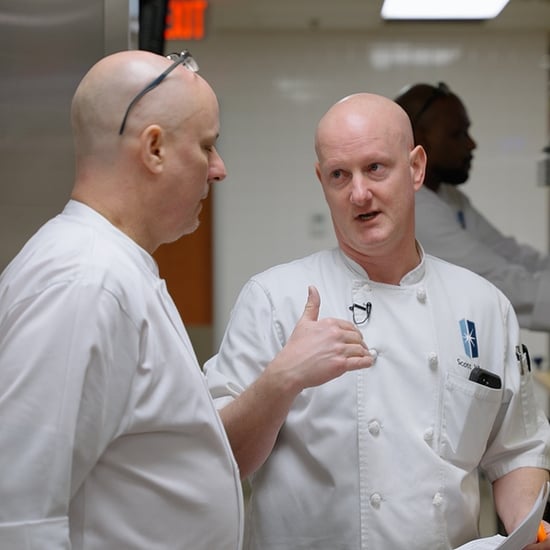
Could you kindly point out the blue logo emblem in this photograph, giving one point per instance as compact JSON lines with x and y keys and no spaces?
{"x":469,"y":338}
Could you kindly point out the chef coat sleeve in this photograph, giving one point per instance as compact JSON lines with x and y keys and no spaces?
{"x":508,"y":247}
{"x":254,"y":335}
{"x":441,"y":235}
{"x":521,"y":434}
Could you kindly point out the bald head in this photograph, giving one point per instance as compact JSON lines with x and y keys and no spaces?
{"x":150,"y":180}
{"x":365,"y":114}
{"x":105,"y":92}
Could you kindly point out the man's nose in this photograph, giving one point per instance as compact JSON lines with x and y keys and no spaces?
{"x":217,"y":170}
{"x":360,"y":189}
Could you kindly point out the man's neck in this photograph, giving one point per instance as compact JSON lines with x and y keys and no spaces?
{"x":383,"y":269}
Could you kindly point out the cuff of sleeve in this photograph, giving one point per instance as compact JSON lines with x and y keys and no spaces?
{"x":498,"y":471}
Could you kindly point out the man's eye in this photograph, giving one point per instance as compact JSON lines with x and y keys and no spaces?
{"x":374,"y":167}
{"x":336,"y":174}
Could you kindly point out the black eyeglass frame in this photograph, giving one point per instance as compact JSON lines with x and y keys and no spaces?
{"x":365,"y":310}
{"x":441,"y":90}
{"x":184,"y":58}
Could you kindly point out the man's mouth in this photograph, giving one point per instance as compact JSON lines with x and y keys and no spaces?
{"x":367,"y":216}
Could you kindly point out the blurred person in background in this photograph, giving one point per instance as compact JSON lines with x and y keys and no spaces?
{"x":450,"y":227}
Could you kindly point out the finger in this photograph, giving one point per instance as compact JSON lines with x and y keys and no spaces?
{"x":355,"y":349}
{"x":343,"y":324}
{"x":354,"y":336}
{"x":311,"y":311}
{"x":347,"y":332}
{"x":357,"y":362}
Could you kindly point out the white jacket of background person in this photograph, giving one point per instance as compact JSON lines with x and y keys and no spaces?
{"x":385,"y":457}
{"x":449,"y":227}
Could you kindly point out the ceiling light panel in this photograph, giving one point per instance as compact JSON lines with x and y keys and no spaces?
{"x":441,"y":10}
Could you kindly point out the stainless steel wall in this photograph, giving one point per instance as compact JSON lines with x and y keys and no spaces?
{"x":46,"y":47}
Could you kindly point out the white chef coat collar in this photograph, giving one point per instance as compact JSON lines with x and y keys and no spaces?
{"x":81,"y":211}
{"x":410,"y":278}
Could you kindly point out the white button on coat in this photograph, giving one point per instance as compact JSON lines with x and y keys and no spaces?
{"x":421,"y":294}
{"x":374,"y":427}
{"x":375,"y":500}
{"x":428,"y":434}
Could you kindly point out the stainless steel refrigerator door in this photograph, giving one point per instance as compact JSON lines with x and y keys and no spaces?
{"x":45,"y":49}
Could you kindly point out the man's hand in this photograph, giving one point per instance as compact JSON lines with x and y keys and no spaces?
{"x":320,"y":350}
{"x":316,"y":352}
{"x":545,"y":545}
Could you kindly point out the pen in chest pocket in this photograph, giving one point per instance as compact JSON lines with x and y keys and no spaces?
{"x":522,"y":356}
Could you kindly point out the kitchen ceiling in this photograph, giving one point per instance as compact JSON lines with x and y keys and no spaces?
{"x":352,"y":15}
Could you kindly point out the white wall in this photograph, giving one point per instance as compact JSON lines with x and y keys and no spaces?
{"x":274,"y":86}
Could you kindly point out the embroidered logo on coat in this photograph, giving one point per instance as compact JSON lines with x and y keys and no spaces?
{"x":469,"y":337}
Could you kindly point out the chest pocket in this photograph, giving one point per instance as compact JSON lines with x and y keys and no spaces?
{"x":468,"y":414}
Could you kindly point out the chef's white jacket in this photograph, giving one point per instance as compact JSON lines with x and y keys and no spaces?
{"x":449,"y":227}
{"x":386,"y":457}
{"x":109,"y":439}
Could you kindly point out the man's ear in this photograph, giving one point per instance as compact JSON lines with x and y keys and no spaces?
{"x":417,"y":160}
{"x":318,"y":171}
{"x":153,"y":148}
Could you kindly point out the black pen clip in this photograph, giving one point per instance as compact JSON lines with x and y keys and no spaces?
{"x":522,"y":355}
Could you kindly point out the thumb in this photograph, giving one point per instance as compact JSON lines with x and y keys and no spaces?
{"x":311,"y":311}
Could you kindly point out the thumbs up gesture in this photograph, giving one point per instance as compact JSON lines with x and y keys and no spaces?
{"x":319,"y":350}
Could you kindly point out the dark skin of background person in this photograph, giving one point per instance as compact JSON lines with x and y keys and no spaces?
{"x":447,"y":142}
